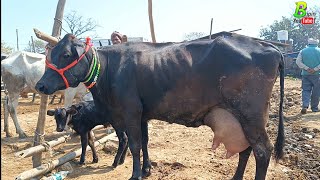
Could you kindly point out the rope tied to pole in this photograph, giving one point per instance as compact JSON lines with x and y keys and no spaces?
{"x":48,"y":148}
{"x":41,"y":138}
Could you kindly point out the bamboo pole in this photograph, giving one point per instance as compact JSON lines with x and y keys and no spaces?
{"x":33,"y":46}
{"x":45,"y":168}
{"x":211,"y":28}
{"x":41,"y":148}
{"x":44,"y":147}
{"x":17,"y":40}
{"x":153,"y":36}
{"x":39,"y":133}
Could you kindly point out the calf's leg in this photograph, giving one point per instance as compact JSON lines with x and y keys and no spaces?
{"x":95,"y":158}
{"x":84,"y":144}
{"x":122,"y":148}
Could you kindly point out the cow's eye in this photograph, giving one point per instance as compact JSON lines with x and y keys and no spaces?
{"x":66,"y":55}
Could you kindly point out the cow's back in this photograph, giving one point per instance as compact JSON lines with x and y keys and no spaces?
{"x":22,"y":70}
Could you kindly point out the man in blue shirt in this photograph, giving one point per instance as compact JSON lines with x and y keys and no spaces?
{"x":309,"y":61}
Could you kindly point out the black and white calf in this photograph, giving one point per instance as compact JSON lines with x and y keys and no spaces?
{"x":82,"y":118}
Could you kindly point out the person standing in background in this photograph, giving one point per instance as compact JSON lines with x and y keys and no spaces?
{"x":309,"y":61}
{"x":117,"y":38}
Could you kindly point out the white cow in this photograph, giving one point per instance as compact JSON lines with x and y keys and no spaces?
{"x":20,"y":72}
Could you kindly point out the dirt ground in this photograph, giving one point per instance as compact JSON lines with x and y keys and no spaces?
{"x":178,"y":152}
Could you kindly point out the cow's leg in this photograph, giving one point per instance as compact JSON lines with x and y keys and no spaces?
{"x":134,"y":134}
{"x":146,"y":167}
{"x":254,"y":130}
{"x":61,"y":98}
{"x":12,"y":106}
{"x":129,"y":111}
{"x":52,"y":99}
{"x":243,"y":159}
{"x":132,"y":119}
{"x":6,"y":116}
{"x":84,"y":144}
{"x":122,"y":148}
{"x":124,"y":153}
{"x":95,"y":158}
{"x":33,"y":97}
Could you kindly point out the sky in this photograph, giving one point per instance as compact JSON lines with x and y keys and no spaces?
{"x":173,"y":19}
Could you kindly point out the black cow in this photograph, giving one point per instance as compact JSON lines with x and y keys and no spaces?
{"x":82,"y":118}
{"x":188,"y":83}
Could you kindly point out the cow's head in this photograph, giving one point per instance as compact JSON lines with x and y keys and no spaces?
{"x":63,"y":116}
{"x":68,"y":66}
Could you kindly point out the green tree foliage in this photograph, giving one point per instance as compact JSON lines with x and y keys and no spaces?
{"x":298,"y":32}
{"x":5,"y":48}
{"x":193,"y":36}
{"x":39,"y":46}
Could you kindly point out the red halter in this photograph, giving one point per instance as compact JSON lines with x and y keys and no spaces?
{"x":61,"y":71}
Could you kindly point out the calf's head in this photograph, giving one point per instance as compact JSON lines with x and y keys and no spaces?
{"x":63,"y":116}
{"x":67,"y":66}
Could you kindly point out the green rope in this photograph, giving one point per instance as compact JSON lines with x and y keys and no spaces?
{"x":93,"y":69}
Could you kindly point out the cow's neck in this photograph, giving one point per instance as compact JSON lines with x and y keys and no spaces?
{"x":94,"y":70}
{"x":101,"y":88}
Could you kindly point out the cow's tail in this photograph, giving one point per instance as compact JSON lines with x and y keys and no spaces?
{"x":280,"y":137}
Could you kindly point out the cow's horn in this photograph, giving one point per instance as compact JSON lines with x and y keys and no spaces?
{"x":50,"y":39}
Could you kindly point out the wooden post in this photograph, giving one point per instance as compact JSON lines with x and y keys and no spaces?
{"x":56,"y":31}
{"x":33,"y":46}
{"x":39,"y":133}
{"x":17,"y":40}
{"x":210,"y":28}
{"x":153,"y":36}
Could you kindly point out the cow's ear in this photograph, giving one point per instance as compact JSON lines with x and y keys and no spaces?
{"x":80,"y":49}
{"x":50,"y":112}
{"x":72,"y":110}
{"x":79,"y":107}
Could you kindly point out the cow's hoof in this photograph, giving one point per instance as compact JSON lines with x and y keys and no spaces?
{"x":135,"y":178}
{"x":146,"y":172}
{"x":114,"y":164}
{"x":9,"y":135}
{"x":95,"y":160}
{"x":22,"y":135}
{"x":81,"y":163}
{"x":121,"y":162}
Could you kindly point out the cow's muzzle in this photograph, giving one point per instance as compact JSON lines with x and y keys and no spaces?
{"x":43,"y":89}
{"x":59,"y":129}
